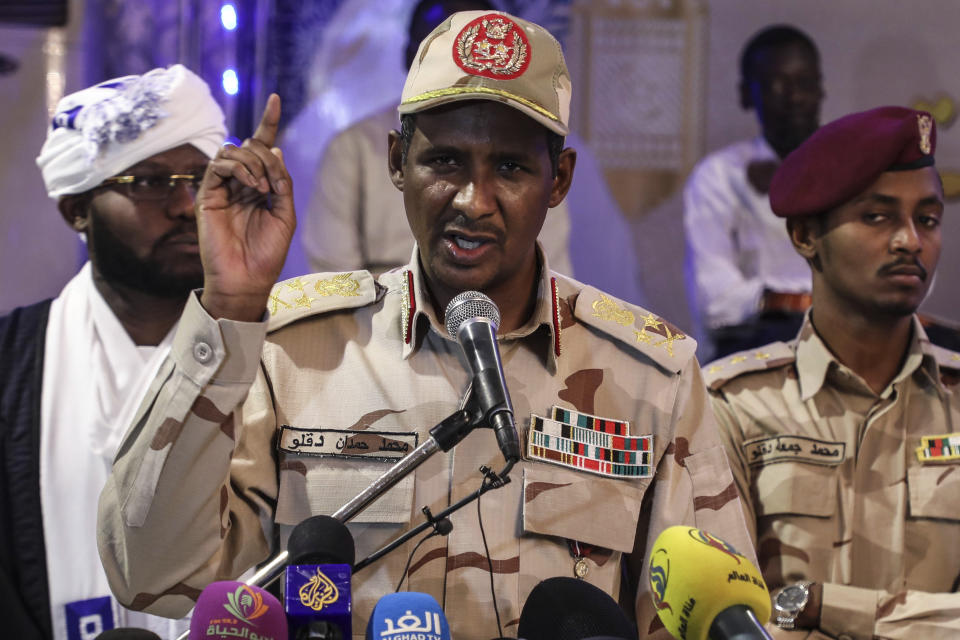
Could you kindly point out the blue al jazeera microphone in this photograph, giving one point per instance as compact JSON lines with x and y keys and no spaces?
{"x":317,"y":596}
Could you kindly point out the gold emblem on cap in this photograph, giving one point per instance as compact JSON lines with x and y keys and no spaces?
{"x":492,"y":46}
{"x":925,"y":124}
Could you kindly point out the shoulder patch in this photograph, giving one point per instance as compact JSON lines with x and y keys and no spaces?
{"x":646,"y":332}
{"x":949,"y":364}
{"x":945,"y":357}
{"x":771,"y":356}
{"x":316,"y":293}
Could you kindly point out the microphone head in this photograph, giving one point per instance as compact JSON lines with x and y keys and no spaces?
{"x":407,"y":614}
{"x":321,"y":540}
{"x":564,"y":608}
{"x":467,"y":305}
{"x":127,"y":633}
{"x":231,"y":610}
{"x":694,"y":576}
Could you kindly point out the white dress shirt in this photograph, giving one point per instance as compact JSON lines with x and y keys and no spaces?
{"x":736,"y":246}
{"x":93,"y":378}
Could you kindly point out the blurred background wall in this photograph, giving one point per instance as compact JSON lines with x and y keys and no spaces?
{"x":654,"y":90}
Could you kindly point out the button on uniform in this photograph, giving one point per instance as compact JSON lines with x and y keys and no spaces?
{"x":202,"y":352}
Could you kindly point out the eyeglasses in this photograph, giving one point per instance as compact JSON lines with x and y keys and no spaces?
{"x":154,"y":187}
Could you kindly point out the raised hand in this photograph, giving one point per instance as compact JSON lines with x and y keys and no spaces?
{"x":246,"y":219}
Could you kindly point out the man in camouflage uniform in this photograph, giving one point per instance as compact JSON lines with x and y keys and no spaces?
{"x":844,"y":442}
{"x":252,"y":426}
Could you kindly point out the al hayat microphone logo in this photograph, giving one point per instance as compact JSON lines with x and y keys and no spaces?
{"x":246,"y":604}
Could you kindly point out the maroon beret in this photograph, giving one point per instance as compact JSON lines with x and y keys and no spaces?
{"x":843,"y":158}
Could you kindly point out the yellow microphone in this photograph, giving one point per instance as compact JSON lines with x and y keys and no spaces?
{"x":704,"y":588}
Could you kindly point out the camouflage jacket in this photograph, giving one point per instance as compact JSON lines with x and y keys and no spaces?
{"x":857,"y":490}
{"x":239,"y":439}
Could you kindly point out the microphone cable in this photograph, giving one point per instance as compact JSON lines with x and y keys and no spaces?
{"x":410,"y":557}
{"x":441,"y":527}
{"x":486,"y":550}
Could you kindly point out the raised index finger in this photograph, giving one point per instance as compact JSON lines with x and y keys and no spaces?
{"x":270,"y":121}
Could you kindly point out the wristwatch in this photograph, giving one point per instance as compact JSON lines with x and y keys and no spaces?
{"x":789,"y":602}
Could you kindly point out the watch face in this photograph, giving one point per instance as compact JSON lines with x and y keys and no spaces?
{"x":792,"y":597}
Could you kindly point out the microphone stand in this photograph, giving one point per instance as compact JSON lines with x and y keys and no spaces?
{"x":443,"y":437}
{"x":491,"y":480}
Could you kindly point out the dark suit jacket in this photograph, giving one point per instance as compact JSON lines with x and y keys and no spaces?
{"x":24,"y":595}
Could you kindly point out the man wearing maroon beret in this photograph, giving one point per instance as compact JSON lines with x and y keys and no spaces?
{"x":845,"y":442}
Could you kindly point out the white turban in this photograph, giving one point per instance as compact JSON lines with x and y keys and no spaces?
{"x":98,"y":132}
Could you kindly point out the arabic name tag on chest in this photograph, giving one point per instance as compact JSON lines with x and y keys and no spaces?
{"x":382,"y":446}
{"x":786,"y":448}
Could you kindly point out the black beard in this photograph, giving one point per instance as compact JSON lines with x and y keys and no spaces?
{"x":117,"y":264}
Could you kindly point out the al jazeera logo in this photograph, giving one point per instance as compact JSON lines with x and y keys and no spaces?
{"x":319,"y":592}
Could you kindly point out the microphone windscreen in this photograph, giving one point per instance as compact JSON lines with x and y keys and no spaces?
{"x":321,"y":540}
{"x":407,"y":614}
{"x":127,"y":633}
{"x":569,"y":609}
{"x":694,"y":576}
{"x":467,"y":305}
{"x":231,"y":610}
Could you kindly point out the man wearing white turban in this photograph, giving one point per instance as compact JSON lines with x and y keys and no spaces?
{"x":123,"y":160}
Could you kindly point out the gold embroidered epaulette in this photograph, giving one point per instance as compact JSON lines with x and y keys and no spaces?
{"x":945,"y":357}
{"x":646,"y":332}
{"x":315,"y":293}
{"x":949,"y":363}
{"x":770,"y":356}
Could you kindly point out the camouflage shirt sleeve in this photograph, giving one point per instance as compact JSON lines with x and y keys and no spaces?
{"x":863,"y":614}
{"x":693,"y":484}
{"x":171,"y":516}
{"x":732,"y":437}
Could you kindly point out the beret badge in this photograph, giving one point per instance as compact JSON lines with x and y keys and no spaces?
{"x":492,"y":46}
{"x":925,"y":125}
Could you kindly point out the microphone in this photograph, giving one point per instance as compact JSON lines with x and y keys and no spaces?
{"x":704,"y":588}
{"x":407,"y":615}
{"x":317,"y":597}
{"x":564,"y":608}
{"x":127,"y":633}
{"x":472,"y":319}
{"x":231,"y":610}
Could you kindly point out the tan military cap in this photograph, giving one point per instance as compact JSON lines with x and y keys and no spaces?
{"x":489,"y":55}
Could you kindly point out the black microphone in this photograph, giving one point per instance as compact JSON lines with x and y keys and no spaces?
{"x":321,"y":540}
{"x":472,"y":318}
{"x":317,"y":597}
{"x":569,"y":609}
{"x":127,"y":633}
